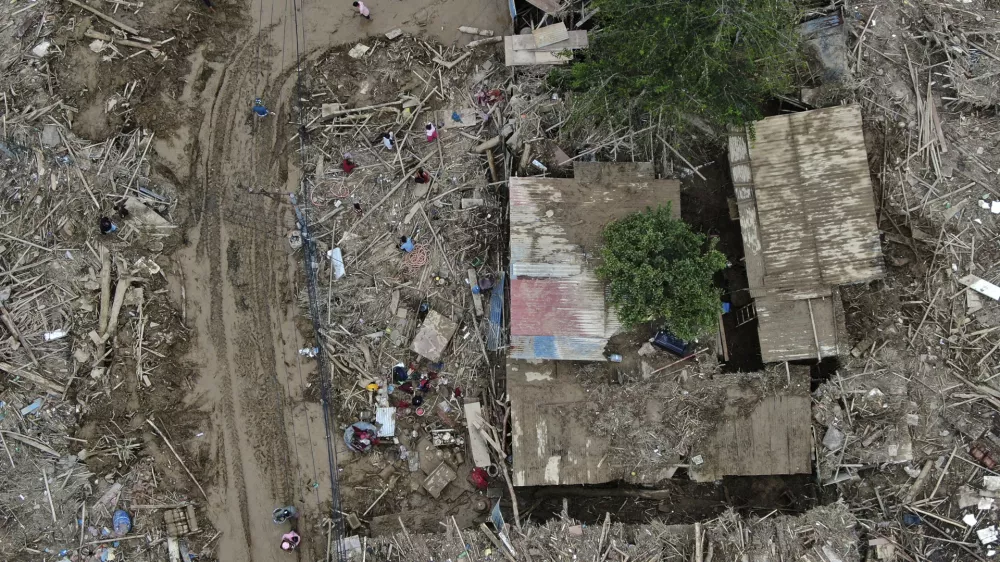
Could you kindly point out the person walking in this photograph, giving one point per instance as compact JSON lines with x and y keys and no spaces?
{"x":107,"y":227}
{"x":282,"y":514}
{"x":363,"y":10}
{"x":421,"y":176}
{"x":259,"y":109}
{"x":290,"y":540}
{"x":389,"y":140}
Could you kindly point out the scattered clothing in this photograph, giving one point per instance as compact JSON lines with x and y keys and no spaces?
{"x":259,"y":109}
{"x":290,"y":540}
{"x":361,"y":436}
{"x":348,"y":165}
{"x":456,"y":117}
{"x":432,"y":132}
{"x":121,"y":210}
{"x":357,"y":209}
{"x":107,"y":227}
{"x":421,"y":176}
{"x":282,"y":514}
{"x":363,"y":10}
{"x":406,"y":244}
{"x":388,"y":139}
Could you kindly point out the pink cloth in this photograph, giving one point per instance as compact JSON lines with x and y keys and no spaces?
{"x":432,"y":133}
{"x":363,"y":9}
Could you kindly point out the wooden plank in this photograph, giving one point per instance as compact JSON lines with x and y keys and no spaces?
{"x":474,"y":419}
{"x":35,"y":378}
{"x":516,"y":58}
{"x":547,"y":6}
{"x":550,"y":34}
{"x":544,"y":57}
{"x":576,"y":40}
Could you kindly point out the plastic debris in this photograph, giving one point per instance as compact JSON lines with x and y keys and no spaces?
{"x":33,"y":407}
{"x":122,"y":522}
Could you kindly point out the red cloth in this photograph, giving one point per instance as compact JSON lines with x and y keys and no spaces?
{"x":479,"y":478}
{"x":348,"y":166}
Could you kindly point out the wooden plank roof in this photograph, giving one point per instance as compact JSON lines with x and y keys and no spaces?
{"x":813,"y":195}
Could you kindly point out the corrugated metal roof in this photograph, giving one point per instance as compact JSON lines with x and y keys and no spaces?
{"x":557,"y":348}
{"x":558,"y":308}
{"x":807,"y":217}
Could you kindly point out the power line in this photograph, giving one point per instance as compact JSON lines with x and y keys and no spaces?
{"x":310,"y":263}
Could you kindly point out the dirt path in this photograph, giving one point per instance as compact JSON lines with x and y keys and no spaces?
{"x":237,"y":274}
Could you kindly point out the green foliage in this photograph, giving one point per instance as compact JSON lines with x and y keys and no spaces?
{"x":716,"y":59}
{"x":658,"y":268}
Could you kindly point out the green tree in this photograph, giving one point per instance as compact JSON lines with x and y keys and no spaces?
{"x":657,"y":268}
{"x":716,"y":59}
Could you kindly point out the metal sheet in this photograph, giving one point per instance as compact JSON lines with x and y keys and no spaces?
{"x":495,"y":325}
{"x":557,"y":307}
{"x":558,"y":348}
{"x":385,"y":419}
{"x":785,"y":328}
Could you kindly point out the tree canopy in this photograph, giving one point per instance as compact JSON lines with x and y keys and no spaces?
{"x":716,"y":59}
{"x":657,"y":268}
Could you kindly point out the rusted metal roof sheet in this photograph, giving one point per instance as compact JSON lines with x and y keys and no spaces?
{"x":814,"y":200}
{"x":786,"y":328}
{"x":807,"y":217}
{"x":558,"y":309}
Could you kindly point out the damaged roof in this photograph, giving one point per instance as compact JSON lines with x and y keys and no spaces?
{"x":807,"y":216}
{"x":557,"y":305}
{"x":806,"y":206}
{"x":771,"y":435}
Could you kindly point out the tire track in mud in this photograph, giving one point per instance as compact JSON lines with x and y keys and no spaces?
{"x":241,"y":236}
{"x":215,"y":187}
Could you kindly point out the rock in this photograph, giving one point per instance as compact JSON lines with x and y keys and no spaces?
{"x":358,"y":51}
{"x":41,"y":49}
{"x":647,"y":349}
{"x":50,"y":136}
{"x":834,"y":439}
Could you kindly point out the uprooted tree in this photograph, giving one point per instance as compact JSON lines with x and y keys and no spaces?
{"x":715,"y":59}
{"x":657,"y":268}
